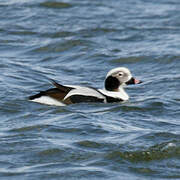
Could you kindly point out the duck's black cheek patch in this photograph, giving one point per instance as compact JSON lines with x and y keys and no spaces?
{"x":112,"y":83}
{"x":85,"y":99}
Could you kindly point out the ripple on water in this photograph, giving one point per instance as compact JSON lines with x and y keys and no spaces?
{"x":147,"y":147}
{"x":92,"y":145}
{"x":61,"y":46}
{"x":54,"y":4}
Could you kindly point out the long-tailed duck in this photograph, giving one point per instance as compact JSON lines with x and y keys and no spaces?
{"x":115,"y":81}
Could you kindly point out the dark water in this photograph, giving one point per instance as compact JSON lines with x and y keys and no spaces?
{"x":78,"y":42}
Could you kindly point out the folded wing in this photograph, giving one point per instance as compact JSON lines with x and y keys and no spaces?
{"x":85,"y":94}
{"x":68,"y":95}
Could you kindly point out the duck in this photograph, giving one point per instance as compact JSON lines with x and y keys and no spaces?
{"x":113,"y":91}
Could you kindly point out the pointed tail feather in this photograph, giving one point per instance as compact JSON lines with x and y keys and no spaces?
{"x":42,"y":93}
{"x":65,"y":89}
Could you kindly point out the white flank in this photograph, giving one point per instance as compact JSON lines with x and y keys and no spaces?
{"x":48,"y":100}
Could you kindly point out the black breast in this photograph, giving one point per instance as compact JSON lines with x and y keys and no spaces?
{"x":85,"y":99}
{"x":112,"y":99}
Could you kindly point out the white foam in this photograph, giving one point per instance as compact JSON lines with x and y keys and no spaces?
{"x":48,"y":100}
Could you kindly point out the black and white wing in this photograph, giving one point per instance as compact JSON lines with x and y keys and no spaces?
{"x":84,"y":94}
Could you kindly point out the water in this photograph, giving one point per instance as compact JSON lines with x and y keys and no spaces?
{"x":78,"y":42}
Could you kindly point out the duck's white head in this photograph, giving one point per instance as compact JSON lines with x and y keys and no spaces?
{"x":118,"y":77}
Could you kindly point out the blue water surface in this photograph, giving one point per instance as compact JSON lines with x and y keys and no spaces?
{"x":78,"y":42}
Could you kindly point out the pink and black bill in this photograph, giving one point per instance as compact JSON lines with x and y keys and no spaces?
{"x":133,"y":81}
